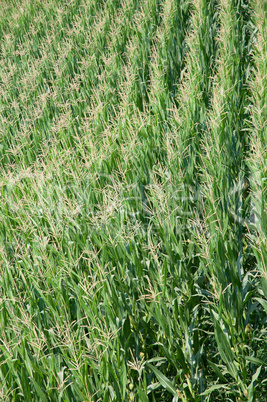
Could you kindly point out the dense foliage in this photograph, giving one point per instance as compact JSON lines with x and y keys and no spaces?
{"x":133,"y":221}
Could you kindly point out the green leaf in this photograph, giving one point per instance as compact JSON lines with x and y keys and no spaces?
{"x":262,"y":302}
{"x":214,"y":388}
{"x":167,"y":384}
{"x":251,"y":385}
{"x":157,"y":359}
{"x":39,"y":391}
{"x":217,"y":371}
{"x":153,"y":387}
{"x":223,"y":345}
{"x":225,"y":351}
{"x":142,"y":394}
{"x":255,"y":360}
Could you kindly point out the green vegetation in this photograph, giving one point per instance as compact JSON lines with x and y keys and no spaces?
{"x":133,"y":220}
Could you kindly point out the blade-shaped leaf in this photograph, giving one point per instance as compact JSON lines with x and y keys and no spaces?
{"x":165,"y":382}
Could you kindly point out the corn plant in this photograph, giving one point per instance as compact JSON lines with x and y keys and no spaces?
{"x":132,"y":215}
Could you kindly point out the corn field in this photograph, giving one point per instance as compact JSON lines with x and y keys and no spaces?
{"x":133,"y":200}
